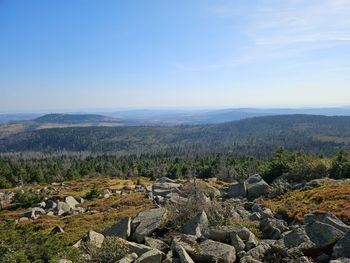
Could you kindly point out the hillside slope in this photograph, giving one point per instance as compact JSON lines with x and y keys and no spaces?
{"x":256,"y":136}
{"x":57,"y":121}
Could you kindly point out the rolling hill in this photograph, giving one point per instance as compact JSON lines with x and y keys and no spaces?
{"x":57,"y":121}
{"x":256,"y":136}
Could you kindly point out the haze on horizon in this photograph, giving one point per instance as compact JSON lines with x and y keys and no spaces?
{"x":154,"y":54}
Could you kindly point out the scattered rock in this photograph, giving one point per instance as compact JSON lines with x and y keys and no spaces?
{"x":194,"y":226}
{"x":157,"y":244}
{"x":148,"y":221}
{"x":208,"y":250}
{"x":327,"y":219}
{"x":256,"y":186}
{"x":34,"y":213}
{"x":63,"y":208}
{"x":237,"y":190}
{"x":71,"y":202}
{"x":152,"y":256}
{"x":93,"y":238}
{"x":181,"y":253}
{"x":57,"y":229}
{"x":272,"y":228}
{"x":50,"y":204}
{"x":121,"y":229}
{"x":342,"y":247}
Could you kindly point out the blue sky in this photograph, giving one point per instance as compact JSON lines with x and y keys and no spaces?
{"x":89,"y":54}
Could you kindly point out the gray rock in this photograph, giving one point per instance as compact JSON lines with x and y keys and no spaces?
{"x":157,"y":244}
{"x":121,"y":229}
{"x":266,"y":213}
{"x":237,"y":190}
{"x":57,"y":229}
{"x":272,"y":228}
{"x":256,"y":186}
{"x":237,"y":242}
{"x":340,"y":260}
{"x":313,"y":237}
{"x":34,"y":213}
{"x":194,"y":226}
{"x":255,"y":216}
{"x":139,"y":249}
{"x":224,"y":233}
{"x":93,"y":238}
{"x":147,"y":222}
{"x":152,"y":256}
{"x":323,"y":235}
{"x":129,"y":258}
{"x":64,"y":261}
{"x":50,"y":204}
{"x":342,"y":247}
{"x":181,"y":253}
{"x":256,"y":254}
{"x":297,"y":238}
{"x":208,"y":250}
{"x":63,"y":208}
{"x":327,"y":219}
{"x":22,"y":219}
{"x":70,"y":200}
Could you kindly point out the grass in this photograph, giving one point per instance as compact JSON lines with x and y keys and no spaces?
{"x":331,"y":197}
{"x":110,"y":209}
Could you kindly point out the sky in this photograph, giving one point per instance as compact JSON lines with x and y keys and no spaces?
{"x":89,"y":54}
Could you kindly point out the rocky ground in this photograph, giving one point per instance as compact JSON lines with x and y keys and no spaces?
{"x":205,"y":221}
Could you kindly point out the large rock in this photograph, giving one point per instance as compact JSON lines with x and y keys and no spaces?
{"x":224,"y":233}
{"x":181,"y":253}
{"x":208,"y":250}
{"x":70,"y":200}
{"x":34,"y":213}
{"x":323,"y":235}
{"x":152,"y":256}
{"x":156,"y":243}
{"x":139,"y":249}
{"x":93,"y":238}
{"x":121,"y":229}
{"x":327,"y":219}
{"x":237,"y":190}
{"x":63,"y":208}
{"x":312,"y":238}
{"x":256,"y":186}
{"x":342,"y":247}
{"x":194,"y":226}
{"x":147,"y":222}
{"x":273,"y":228}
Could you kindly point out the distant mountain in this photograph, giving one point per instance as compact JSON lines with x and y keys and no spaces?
{"x":180,"y":117}
{"x":60,"y":118}
{"x":18,"y":117}
{"x":57,"y":121}
{"x":256,"y":136}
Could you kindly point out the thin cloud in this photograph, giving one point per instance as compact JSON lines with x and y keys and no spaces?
{"x":282,"y":29}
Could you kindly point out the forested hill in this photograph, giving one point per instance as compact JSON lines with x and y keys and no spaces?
{"x":256,"y":136}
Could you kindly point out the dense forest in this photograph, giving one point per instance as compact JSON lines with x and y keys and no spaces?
{"x":256,"y":136}
{"x":293,"y":166}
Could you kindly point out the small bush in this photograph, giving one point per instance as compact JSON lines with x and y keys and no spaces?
{"x":112,"y":250}
{"x":95,"y":192}
{"x":27,"y":199}
{"x":23,"y":244}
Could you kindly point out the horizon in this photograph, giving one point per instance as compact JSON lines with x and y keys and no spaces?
{"x":71,"y":56}
{"x":174,"y":109}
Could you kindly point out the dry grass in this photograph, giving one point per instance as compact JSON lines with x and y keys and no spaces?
{"x":109,"y":210}
{"x":332,"y":197}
